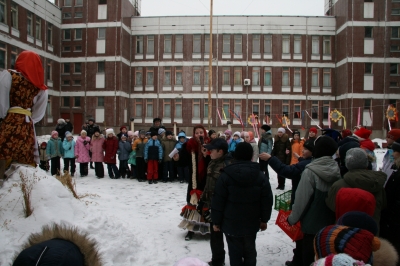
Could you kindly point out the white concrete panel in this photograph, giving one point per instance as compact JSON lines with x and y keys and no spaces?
{"x":195,"y":121}
{"x":166,"y":88}
{"x":255,"y":88}
{"x":39,"y":43}
{"x":102,"y":12}
{"x":327,"y":90}
{"x":177,"y":120}
{"x":226,"y":88}
{"x":196,"y":88}
{"x":196,"y":56}
{"x":267,"y":56}
{"x":368,"y":9}
{"x":368,"y":82}
{"x":138,"y":56}
{"x":149,"y":56}
{"x":285,"y":89}
{"x":178,"y":88}
{"x":125,"y":116}
{"x":100,"y":80}
{"x":286,"y":56}
{"x":101,"y":46}
{"x":226,"y":56}
{"x":297,"y":56}
{"x":166,"y":120}
{"x":297,"y":89}
{"x":167,"y":56}
{"x":315,"y":57}
{"x":15,"y":32}
{"x":237,"y":88}
{"x":268,"y":88}
{"x":315,"y":90}
{"x":50,"y":83}
{"x":138,"y":120}
{"x":237,"y":56}
{"x":178,"y":56}
{"x":149,"y":88}
{"x":256,"y":56}
{"x":296,"y":122}
{"x":368,"y":46}
{"x":99,"y":114}
{"x":366,"y":119}
{"x":30,"y":39}
{"x":138,"y":88}
{"x":50,"y":120}
{"x":327,"y":57}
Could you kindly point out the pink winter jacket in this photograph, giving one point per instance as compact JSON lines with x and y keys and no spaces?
{"x":82,"y":150}
{"x":96,"y":147}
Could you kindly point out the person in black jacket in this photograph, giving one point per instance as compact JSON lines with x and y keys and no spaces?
{"x":242,"y":205}
{"x":61,"y":128}
{"x":283,"y":151}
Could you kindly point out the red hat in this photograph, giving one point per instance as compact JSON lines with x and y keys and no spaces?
{"x":313,"y":129}
{"x":363,"y":133}
{"x":393,"y":134}
{"x":122,"y":127}
{"x":346,"y":133}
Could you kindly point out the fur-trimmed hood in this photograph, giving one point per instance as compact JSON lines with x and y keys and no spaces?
{"x":284,"y":137}
{"x":87,"y":246}
{"x":386,"y":254}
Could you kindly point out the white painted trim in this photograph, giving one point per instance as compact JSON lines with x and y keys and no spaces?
{"x":255,"y":88}
{"x":196,"y":55}
{"x":267,"y":56}
{"x":297,"y":89}
{"x":166,"y":88}
{"x":315,"y":90}
{"x":237,"y":88}
{"x":178,"y":56}
{"x":178,"y":88}
{"x":256,"y":56}
{"x":285,"y":88}
{"x":196,"y":88}
{"x":15,"y":32}
{"x":226,"y":88}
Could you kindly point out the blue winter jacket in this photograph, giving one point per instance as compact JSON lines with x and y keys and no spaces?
{"x":69,"y":148}
{"x":179,"y":144}
{"x":54,"y":148}
{"x":153,"y":150}
{"x":124,"y":149}
{"x":233,"y":144}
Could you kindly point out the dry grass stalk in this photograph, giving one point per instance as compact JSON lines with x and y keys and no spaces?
{"x":26,"y":188}
{"x":67,"y":181}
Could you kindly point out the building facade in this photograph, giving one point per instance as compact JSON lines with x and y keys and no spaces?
{"x":104,"y":61}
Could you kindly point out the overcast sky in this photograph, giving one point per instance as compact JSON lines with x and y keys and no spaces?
{"x":232,"y":7}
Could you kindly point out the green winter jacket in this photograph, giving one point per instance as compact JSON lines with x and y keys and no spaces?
{"x":310,"y":207}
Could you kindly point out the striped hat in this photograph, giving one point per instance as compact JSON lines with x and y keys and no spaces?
{"x":335,"y":239}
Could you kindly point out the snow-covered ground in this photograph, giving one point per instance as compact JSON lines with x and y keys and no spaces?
{"x":134,"y":223}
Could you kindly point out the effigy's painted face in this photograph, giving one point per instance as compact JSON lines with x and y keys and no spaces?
{"x":199,"y":132}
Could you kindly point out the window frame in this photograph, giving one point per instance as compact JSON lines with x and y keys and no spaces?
{"x":196,"y":43}
{"x":138,"y":73}
{"x":226,"y":44}
{"x":238,"y":44}
{"x":29,"y":23}
{"x":285,"y":73}
{"x":256,"y":44}
{"x":101,"y":33}
{"x":315,"y":45}
{"x":266,"y":71}
{"x":167,"y":44}
{"x":255,"y":75}
{"x":149,"y":73}
{"x":226,"y":76}
{"x":14,"y":15}
{"x":179,"y":43}
{"x":150,"y":45}
{"x":286,"y":44}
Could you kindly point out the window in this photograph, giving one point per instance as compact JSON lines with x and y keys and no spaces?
{"x":67,"y":15}
{"x":66,"y":82}
{"x":139,"y":44}
{"x":78,"y":48}
{"x":285,"y":77}
{"x":207,"y":43}
{"x":327,"y":45}
{"x":256,"y":107}
{"x":167,"y":108}
{"x":268,"y":44}
{"x":66,"y":68}
{"x":285,"y":108}
{"x":297,"y":77}
{"x":238,"y":76}
{"x":101,"y":67}
{"x":285,"y":44}
{"x":206,"y":76}
{"x":314,"y":79}
{"x":14,"y":15}
{"x":196,"y":108}
{"x":179,"y":44}
{"x":78,"y":15}
{"x":150,"y":44}
{"x":138,"y":107}
{"x":238,"y":44}
{"x":78,"y":2}
{"x":226,"y":44}
{"x":325,"y":110}
{"x":267,"y":76}
{"x":49,"y":33}
{"x":48,"y":72}
{"x":394,"y":69}
{"x":29,"y":24}
{"x":267,"y":107}
{"x":149,"y":108}
{"x":178,"y":76}
{"x":205,"y":108}
{"x":226,"y":76}
{"x":77,"y":82}
{"x":48,"y":109}
{"x":78,"y":34}
{"x":167,"y":44}
{"x":78,"y":68}
{"x":367,"y":104}
{"x":67,"y":2}
{"x":77,"y":101}
{"x":2,"y":56}
{"x":3,"y":12}
{"x":395,"y":32}
{"x":67,"y":49}
{"x":256,"y":76}
{"x":138,"y":76}
{"x":149,"y":76}
{"x":66,"y":102}
{"x":327,"y":77}
{"x":225,"y":109}
{"x":197,"y":44}
{"x":368,"y":68}
{"x":178,"y":108}
{"x":297,"y":44}
{"x":368,"y":32}
{"x":196,"y":76}
{"x":14,"y":52}
{"x":315,"y":45}
{"x":167,"y":76}
{"x":297,"y":109}
{"x":314,"y":109}
{"x":102,"y":2}
{"x":38,"y":28}
{"x":256,"y":44}
{"x":67,"y":34}
{"x":395,"y":11}
{"x":100,"y":101}
{"x":238,"y":107}
{"x":394,"y":48}
{"x":393,"y":84}
{"x":101,"y":33}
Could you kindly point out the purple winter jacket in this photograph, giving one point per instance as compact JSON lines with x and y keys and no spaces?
{"x":82,"y":150}
{"x":96,"y":147}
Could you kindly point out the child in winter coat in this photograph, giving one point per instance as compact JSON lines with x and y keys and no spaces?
{"x":55,"y":151}
{"x":123,"y":132}
{"x":82,"y":148}
{"x":249,"y":138}
{"x":282,"y":150}
{"x":96,"y":147}
{"x":110,"y":147}
{"x":69,"y":153}
{"x":183,"y":170}
{"x":124,"y":149}
{"x":297,"y":147}
{"x":234,"y":142}
{"x":138,"y":146}
{"x":44,"y":160}
{"x":168,"y":145}
{"x":265,"y":144}
{"x":152,"y":155}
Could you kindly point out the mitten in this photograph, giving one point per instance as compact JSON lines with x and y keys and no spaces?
{"x":200,"y":205}
{"x":207,"y":216}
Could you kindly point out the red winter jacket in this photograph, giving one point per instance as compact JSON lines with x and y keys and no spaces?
{"x":110,"y":147}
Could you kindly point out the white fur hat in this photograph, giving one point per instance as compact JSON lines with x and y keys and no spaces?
{"x":237,"y":133}
{"x":109,"y":131}
{"x":281,"y":129}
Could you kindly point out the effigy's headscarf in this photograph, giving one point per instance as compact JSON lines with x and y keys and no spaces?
{"x":30,"y":66}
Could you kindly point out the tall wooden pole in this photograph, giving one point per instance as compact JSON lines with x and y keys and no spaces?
{"x":210,"y":68}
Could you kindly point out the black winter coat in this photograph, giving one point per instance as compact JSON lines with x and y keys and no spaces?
{"x":242,"y":199}
{"x":61,"y":129}
{"x":281,"y":144}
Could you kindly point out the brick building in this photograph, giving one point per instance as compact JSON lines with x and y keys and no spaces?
{"x":104,"y":61}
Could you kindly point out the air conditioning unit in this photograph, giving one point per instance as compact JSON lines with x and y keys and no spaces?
{"x":246,"y":82}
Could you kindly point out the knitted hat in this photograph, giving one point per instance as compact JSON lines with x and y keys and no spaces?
{"x":122,"y":127}
{"x":243,"y":152}
{"x":136,"y":133}
{"x":96,"y":129}
{"x":266,"y":127}
{"x":296,"y":132}
{"x":156,"y":119}
{"x":359,"y":220}
{"x":68,"y":134}
{"x":309,"y":145}
{"x":313,"y":129}
{"x":210,"y":132}
{"x":160,"y":131}
{"x":345,"y":147}
{"x":363,"y":133}
{"x":354,"y":199}
{"x":43,"y":144}
{"x":356,"y":158}
{"x":130,"y":133}
{"x":281,"y":129}
{"x":61,"y":121}
{"x":109,"y":131}
{"x":338,"y":260}
{"x":169,"y":133}
{"x":355,"y":242}
{"x":154,"y":133}
{"x":228,"y":132}
{"x":91,"y":119}
{"x":54,"y":134}
{"x":83,"y":132}
{"x":346,"y":133}
{"x":324,"y":146}
{"x":237,"y":133}
{"x":142,"y":132}
{"x":393,"y":134}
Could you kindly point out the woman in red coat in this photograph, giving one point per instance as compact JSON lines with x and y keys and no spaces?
{"x":110,"y":147}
